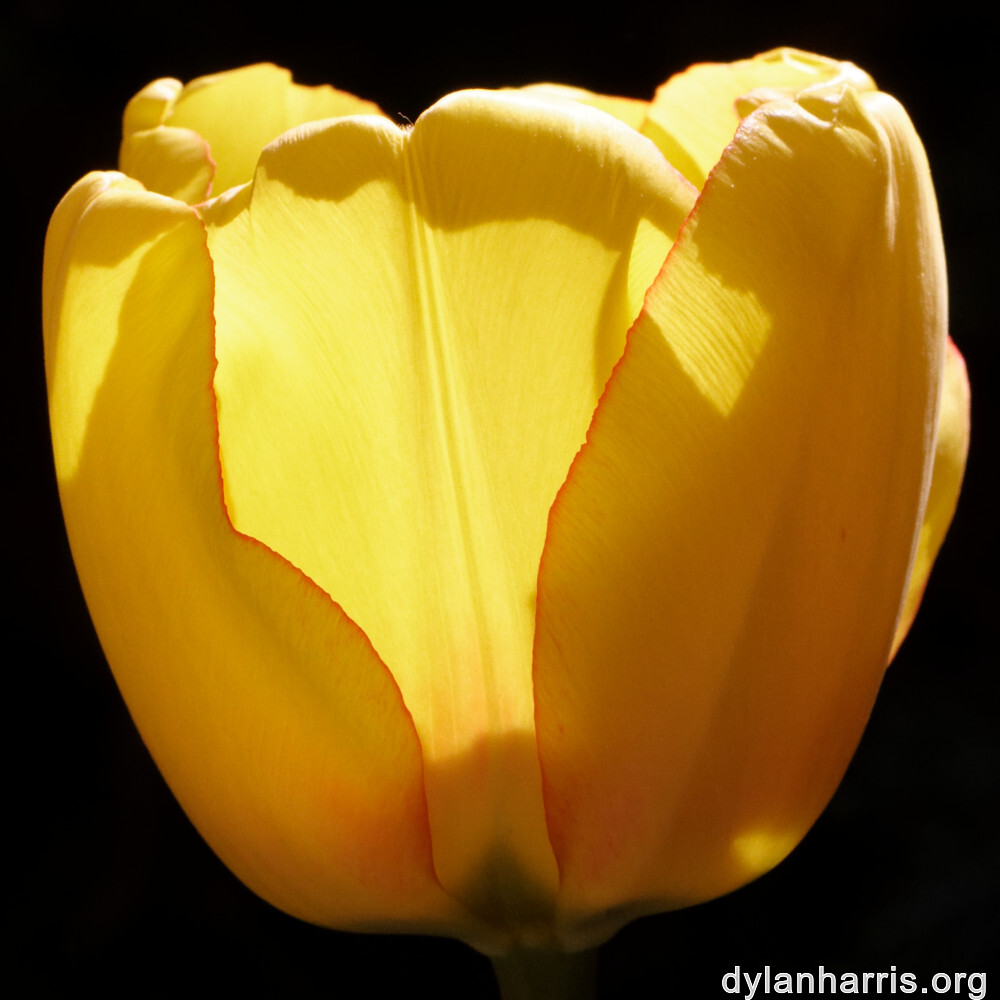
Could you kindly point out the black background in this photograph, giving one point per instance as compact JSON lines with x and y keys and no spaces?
{"x":110,"y":887}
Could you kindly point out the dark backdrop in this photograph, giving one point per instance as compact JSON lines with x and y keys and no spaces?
{"x":112,"y":888}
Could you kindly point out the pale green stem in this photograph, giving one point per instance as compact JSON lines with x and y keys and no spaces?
{"x":535,"y":974}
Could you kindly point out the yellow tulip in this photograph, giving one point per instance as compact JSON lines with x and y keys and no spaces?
{"x":499,"y":527}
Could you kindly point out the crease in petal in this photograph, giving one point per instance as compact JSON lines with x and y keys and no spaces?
{"x":725,"y":564}
{"x":280,"y":731}
{"x":413,"y":330}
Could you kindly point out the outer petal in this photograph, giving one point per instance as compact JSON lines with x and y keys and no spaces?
{"x":725,"y":566}
{"x":414,"y":328}
{"x":266,"y":709}
{"x":694,"y":114}
{"x":950,"y":453}
{"x":237,"y":113}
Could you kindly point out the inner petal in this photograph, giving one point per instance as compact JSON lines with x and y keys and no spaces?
{"x":413,"y":331}
{"x":240,"y":111}
{"x":694,"y":115}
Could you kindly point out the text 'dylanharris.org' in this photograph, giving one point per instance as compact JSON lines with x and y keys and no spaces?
{"x":749,"y":984}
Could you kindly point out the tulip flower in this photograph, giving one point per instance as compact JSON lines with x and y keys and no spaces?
{"x":499,"y":527}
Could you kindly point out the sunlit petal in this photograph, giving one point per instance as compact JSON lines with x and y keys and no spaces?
{"x":413,"y":330}
{"x":270,"y":715}
{"x":725,"y":564}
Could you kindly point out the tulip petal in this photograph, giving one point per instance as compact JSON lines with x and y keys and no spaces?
{"x":271,"y":717}
{"x":175,"y":162}
{"x":413,"y":330}
{"x":726,"y":563}
{"x":151,"y":105}
{"x":237,"y":113}
{"x":950,"y":453}
{"x":694,"y":115}
{"x":626,"y":109}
